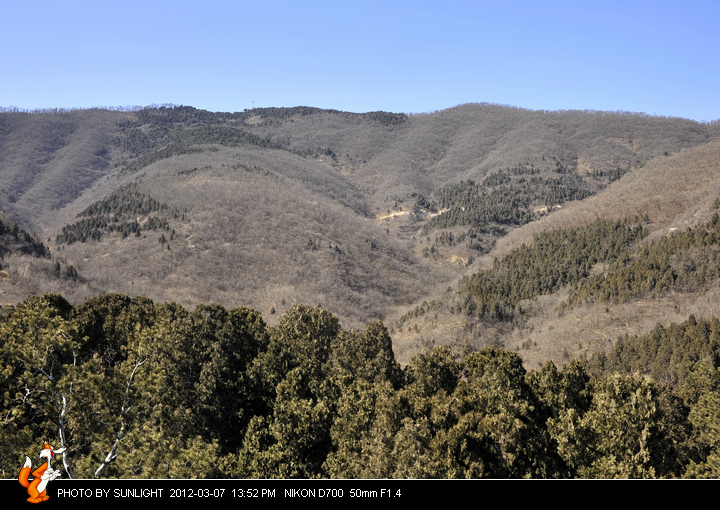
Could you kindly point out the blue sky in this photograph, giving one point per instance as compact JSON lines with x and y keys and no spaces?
{"x":658,"y":57}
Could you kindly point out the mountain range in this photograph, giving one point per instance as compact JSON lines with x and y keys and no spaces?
{"x":415,"y":220}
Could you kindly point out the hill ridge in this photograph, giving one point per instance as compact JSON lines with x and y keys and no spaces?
{"x":301,"y":204}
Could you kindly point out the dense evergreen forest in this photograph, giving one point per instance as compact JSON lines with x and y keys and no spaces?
{"x":16,"y":240}
{"x":139,"y":389}
{"x":117,"y":213}
{"x":507,"y":197}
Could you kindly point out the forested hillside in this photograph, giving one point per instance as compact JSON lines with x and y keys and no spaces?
{"x":368,"y":214}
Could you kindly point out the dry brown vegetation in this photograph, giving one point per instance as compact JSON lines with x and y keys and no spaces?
{"x":677,"y":191}
{"x":300,"y":206}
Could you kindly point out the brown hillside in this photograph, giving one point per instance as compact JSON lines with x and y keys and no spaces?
{"x":270,"y":207}
{"x":675,"y":191}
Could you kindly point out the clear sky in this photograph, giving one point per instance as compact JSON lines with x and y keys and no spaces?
{"x":659,"y":57}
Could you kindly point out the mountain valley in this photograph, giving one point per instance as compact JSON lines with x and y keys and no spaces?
{"x":374,"y":216}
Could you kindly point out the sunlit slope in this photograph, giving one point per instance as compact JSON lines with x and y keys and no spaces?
{"x":273,"y":206}
{"x":252,"y":228}
{"x":672,"y":193}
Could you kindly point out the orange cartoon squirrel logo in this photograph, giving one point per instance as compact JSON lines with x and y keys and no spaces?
{"x":37,"y":488}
